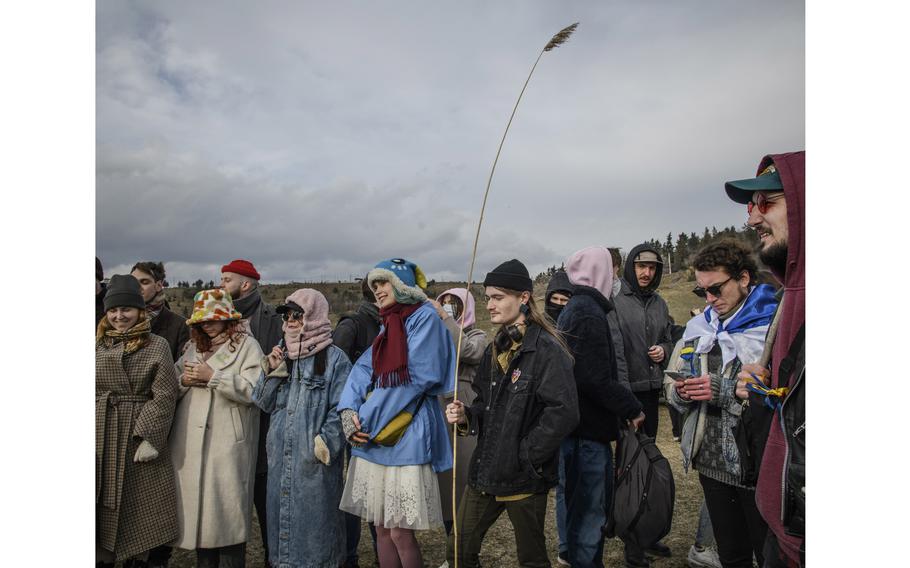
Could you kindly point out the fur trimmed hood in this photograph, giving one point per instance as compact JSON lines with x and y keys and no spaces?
{"x":404,"y":294}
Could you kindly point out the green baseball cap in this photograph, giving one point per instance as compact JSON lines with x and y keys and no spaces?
{"x":741,"y":190}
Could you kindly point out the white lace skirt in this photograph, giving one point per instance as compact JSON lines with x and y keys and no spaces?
{"x":402,"y":496}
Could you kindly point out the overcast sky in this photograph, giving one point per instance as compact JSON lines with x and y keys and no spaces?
{"x":317,"y":138}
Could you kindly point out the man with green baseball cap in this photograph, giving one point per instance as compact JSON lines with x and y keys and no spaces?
{"x":775,"y":201}
{"x":741,"y":190}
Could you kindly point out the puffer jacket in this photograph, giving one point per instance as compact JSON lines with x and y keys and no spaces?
{"x":521,"y":417}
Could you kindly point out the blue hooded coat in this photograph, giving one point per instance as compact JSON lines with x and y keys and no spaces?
{"x":431,"y":365}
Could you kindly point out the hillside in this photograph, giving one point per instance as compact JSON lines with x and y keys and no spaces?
{"x":343,"y":297}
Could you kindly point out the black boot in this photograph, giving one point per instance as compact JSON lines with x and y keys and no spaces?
{"x":660,"y":549}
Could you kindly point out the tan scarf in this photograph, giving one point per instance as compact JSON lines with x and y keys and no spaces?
{"x":156,"y":304}
{"x":223,"y":338}
{"x":216,"y":342}
{"x":134,"y":338}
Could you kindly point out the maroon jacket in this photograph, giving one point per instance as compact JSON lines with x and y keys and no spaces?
{"x":792,"y":170}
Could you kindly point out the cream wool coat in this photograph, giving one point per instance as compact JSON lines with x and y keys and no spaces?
{"x":213,"y":443}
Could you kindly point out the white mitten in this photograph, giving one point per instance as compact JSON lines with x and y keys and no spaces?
{"x":321,"y":450}
{"x":145,"y":452}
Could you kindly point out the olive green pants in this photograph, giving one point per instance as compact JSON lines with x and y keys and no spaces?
{"x":476,"y":514}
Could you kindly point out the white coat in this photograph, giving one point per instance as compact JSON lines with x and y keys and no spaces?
{"x":213,"y":444}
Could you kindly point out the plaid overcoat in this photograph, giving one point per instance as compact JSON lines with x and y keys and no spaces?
{"x":135,"y":395}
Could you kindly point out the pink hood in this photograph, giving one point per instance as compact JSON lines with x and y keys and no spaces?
{"x":467,"y":300}
{"x":316,"y":333}
{"x":592,"y":266}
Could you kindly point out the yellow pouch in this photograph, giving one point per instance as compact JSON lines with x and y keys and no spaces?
{"x":391,"y":433}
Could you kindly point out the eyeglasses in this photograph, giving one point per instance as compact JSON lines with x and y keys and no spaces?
{"x":762,"y":201}
{"x":292,"y":315}
{"x":714,"y":289}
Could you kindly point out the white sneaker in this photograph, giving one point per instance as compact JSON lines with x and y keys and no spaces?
{"x":706,"y":558}
{"x":444,"y":564}
{"x":562,"y":560}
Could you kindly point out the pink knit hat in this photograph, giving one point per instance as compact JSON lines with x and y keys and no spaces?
{"x":592,"y":266}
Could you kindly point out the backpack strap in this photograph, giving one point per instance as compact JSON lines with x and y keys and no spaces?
{"x":788,"y":363}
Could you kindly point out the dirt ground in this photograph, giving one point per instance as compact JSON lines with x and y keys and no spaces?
{"x":499,"y":546}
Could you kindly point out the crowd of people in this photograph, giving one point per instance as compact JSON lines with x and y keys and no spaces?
{"x":247,"y":406}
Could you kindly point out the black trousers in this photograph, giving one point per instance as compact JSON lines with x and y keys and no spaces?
{"x":476,"y":514}
{"x":676,"y":421}
{"x":738,"y":527}
{"x":648,"y":400}
{"x":259,"y":492}
{"x":233,"y":556}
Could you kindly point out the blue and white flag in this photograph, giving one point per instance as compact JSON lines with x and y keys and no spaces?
{"x":743,"y":334}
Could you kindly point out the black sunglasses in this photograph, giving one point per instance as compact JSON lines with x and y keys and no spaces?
{"x":714,"y":289}
{"x":292,"y":315}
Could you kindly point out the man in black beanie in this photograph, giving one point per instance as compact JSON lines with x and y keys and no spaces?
{"x":526,"y":404}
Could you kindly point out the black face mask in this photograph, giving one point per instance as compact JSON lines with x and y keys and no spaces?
{"x":553,"y":310}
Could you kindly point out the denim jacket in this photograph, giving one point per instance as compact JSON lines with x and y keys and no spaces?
{"x":305,"y":526}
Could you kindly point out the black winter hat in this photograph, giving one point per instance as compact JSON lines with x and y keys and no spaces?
{"x":512,"y":275}
{"x":123,"y":291}
{"x":99,"y":272}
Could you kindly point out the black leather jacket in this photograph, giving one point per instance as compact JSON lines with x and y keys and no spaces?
{"x":793,"y":423}
{"x":521,"y":417}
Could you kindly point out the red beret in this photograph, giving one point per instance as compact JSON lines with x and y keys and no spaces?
{"x":241,"y":267}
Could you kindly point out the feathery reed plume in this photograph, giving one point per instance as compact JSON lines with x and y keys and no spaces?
{"x":560,"y":38}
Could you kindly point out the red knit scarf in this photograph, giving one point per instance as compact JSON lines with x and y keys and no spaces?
{"x":390,"y":348}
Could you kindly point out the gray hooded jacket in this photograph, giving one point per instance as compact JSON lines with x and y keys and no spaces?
{"x":644,"y":320}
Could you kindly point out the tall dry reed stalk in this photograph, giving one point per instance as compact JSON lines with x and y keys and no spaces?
{"x":560,"y":38}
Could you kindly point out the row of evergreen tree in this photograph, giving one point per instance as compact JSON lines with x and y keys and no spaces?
{"x":678,"y":254}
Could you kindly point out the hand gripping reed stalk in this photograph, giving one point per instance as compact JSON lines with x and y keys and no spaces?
{"x":557,"y":40}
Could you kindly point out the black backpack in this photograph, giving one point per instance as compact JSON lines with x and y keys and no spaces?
{"x":644,"y":492}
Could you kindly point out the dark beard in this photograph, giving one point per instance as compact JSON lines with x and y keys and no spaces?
{"x":775,"y":257}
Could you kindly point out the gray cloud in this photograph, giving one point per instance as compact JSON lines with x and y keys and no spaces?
{"x":316,"y":139}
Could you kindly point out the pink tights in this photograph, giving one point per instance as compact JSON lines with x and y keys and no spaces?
{"x":398,"y":548}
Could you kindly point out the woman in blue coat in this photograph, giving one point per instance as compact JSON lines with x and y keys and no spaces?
{"x":393,"y":484}
{"x":301,"y":389}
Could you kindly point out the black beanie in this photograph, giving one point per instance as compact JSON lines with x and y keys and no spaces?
{"x":99,"y":272}
{"x":511,"y":275}
{"x":123,"y":291}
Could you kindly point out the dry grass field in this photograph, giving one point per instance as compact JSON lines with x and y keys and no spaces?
{"x":499,"y":547}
